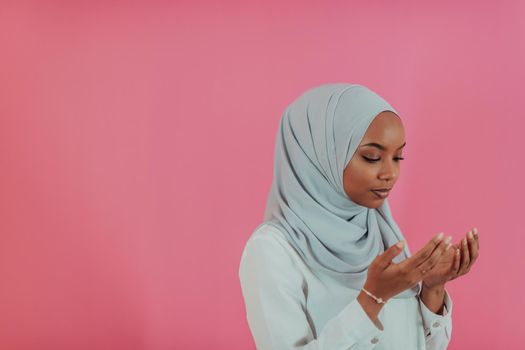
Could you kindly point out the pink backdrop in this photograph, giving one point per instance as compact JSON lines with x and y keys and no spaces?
{"x":136,"y":149}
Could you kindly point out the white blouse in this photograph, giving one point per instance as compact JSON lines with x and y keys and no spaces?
{"x":288,"y":307}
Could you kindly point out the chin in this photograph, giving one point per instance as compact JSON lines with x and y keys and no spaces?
{"x":367,"y":202}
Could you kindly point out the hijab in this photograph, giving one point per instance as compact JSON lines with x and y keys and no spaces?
{"x":317,"y":136}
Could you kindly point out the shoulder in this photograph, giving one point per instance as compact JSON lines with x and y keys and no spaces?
{"x":268,"y":249}
{"x":269,"y":263}
{"x":267,"y":231}
{"x":266,"y":238}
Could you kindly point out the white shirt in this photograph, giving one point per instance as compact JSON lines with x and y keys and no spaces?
{"x":288,"y":307}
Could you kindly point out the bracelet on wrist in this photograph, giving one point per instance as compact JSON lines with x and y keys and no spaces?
{"x":377,"y":300}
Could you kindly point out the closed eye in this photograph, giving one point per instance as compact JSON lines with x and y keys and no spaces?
{"x":372,"y":160}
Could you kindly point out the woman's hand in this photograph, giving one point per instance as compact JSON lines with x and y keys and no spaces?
{"x":454,"y":262}
{"x":386,"y":279}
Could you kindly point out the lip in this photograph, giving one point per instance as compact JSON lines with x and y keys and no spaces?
{"x":381,"y":193}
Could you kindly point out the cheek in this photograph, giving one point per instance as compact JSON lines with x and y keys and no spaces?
{"x":359,"y":178}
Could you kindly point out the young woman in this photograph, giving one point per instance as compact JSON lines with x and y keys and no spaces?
{"x":328,"y":268}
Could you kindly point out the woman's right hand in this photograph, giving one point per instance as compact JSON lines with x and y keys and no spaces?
{"x":386,"y":279}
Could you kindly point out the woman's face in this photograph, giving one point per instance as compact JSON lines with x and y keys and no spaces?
{"x":376,"y":162}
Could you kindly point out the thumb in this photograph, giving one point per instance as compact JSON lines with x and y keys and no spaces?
{"x":385,"y":259}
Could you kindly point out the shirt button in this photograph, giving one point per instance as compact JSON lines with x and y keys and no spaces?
{"x":374,"y":340}
{"x":436,"y":324}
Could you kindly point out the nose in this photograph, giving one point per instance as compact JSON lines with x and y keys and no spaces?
{"x":388,"y":172}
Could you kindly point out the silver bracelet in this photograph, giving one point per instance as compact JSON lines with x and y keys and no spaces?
{"x":378,"y":300}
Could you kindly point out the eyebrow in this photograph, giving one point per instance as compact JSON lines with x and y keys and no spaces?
{"x":381,"y":147}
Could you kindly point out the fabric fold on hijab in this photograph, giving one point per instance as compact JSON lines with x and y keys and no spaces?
{"x":317,"y":136}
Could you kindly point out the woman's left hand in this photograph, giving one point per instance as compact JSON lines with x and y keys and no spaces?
{"x":455,"y":261}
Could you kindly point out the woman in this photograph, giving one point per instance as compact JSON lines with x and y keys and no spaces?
{"x":328,"y":268}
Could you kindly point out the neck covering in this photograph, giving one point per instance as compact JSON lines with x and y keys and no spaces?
{"x":317,"y":136}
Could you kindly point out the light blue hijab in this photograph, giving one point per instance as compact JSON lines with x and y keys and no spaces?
{"x":317,"y":136}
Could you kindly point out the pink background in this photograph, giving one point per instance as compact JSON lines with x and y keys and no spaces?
{"x":136,"y":150}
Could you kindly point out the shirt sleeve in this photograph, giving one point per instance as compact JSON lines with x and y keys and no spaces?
{"x":272,"y":288}
{"x":438,"y":328}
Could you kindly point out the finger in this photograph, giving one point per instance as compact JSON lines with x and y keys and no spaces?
{"x":385,"y":259}
{"x":424,"y":253}
{"x":435,"y":257}
{"x":457,"y":261}
{"x":475,"y":232}
{"x":465,"y":257}
{"x":473,"y":246}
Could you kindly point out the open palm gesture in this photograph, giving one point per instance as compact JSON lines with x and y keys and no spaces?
{"x":455,"y":261}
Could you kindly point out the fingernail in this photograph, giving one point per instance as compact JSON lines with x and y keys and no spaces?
{"x":448,"y":246}
{"x":457,"y":251}
{"x":465,"y":241}
{"x":400,"y":244}
{"x":475,"y":231}
{"x":440,"y":236}
{"x":470,"y":235}
{"x":448,"y":239}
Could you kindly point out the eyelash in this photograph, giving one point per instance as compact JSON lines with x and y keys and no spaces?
{"x":370,"y":160}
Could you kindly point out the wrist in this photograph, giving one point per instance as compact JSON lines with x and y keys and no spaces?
{"x":371,"y":288}
{"x":377,"y":299}
{"x":371,"y":308}
{"x":436,"y":288}
{"x":433,"y":298}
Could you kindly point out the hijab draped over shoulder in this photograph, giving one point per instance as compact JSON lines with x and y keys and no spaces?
{"x":317,"y":136}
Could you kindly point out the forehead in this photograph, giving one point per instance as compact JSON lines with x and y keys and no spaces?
{"x":386,"y":128}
